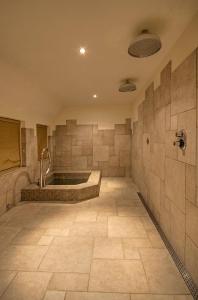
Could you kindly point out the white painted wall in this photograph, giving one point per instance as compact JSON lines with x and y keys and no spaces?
{"x":103,"y":115}
{"x":21,"y":98}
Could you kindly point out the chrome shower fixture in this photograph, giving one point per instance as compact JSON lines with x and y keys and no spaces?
{"x":127,"y":86}
{"x":145,"y":44}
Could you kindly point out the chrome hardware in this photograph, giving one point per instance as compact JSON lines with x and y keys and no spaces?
{"x":180,"y":140}
{"x":42,"y":181}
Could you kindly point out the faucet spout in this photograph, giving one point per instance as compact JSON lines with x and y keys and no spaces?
{"x":42,"y":181}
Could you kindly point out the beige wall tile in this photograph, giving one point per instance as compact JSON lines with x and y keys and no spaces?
{"x":191,"y":183}
{"x":158,"y":160}
{"x":175,"y":182}
{"x":187,"y":121}
{"x":174,"y":122}
{"x":177,"y":231}
{"x":148,"y":109}
{"x":160,"y":126}
{"x":183,"y":86}
{"x":165,"y":76}
{"x":171,"y":149}
{"x":192,"y":221}
{"x":167,"y":116}
{"x":191,"y":258}
{"x":100,"y":153}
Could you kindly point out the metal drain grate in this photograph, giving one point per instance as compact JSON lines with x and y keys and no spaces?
{"x":186,"y":276}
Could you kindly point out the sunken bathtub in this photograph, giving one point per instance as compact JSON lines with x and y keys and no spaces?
{"x":71,"y":186}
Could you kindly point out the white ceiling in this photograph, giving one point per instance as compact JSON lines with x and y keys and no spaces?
{"x":43,"y":37}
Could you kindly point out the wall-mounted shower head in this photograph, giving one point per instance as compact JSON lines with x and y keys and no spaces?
{"x":145,"y":44}
{"x":127,"y":86}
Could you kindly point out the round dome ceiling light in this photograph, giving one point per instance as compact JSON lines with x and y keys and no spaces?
{"x":127,"y":86}
{"x":145,"y":44}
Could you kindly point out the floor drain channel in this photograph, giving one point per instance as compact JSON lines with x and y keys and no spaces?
{"x":186,"y":276}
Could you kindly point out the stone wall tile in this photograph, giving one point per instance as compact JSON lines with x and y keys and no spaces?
{"x":191,"y":183}
{"x":175,"y":182}
{"x":158,"y":160}
{"x":187,"y":121}
{"x":79,"y":163}
{"x":177,"y":235}
{"x":125,"y":158}
{"x":100,"y":153}
{"x":191,"y":258}
{"x":183,"y":86}
{"x":192,"y":221}
{"x":171,"y":150}
{"x":165,"y":83}
{"x":148,"y":110}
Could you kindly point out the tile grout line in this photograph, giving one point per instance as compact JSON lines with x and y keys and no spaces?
{"x":181,"y":268}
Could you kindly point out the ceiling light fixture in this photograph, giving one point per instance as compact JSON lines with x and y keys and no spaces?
{"x":82,"y":50}
{"x":95,"y":96}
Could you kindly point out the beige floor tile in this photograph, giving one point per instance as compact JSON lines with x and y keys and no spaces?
{"x":45,"y":240}
{"x":5,"y":278}
{"x":86,"y":216}
{"x":137,"y":243}
{"x":68,"y":254}
{"x":102,"y":219}
{"x":155,"y":239}
{"x":7,"y":234}
{"x":27,"y":285}
{"x":131,"y":211}
{"x":28,"y":237}
{"x":147,"y":223}
{"x":129,"y":202}
{"x":69,"y":282}
{"x":57,"y":232}
{"x":182,"y":297}
{"x":108,"y":248}
{"x":153,"y":254}
{"x":151,"y":297}
{"x":126,"y":227}
{"x":163,"y":277}
{"x":96,"y":296}
{"x":54,"y":295}
{"x":25,"y":258}
{"x":122,"y":276}
{"x":94,"y":229}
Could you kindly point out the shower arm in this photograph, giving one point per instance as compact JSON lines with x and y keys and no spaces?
{"x":43,"y":176}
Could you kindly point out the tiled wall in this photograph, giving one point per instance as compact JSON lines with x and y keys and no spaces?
{"x":166,"y":176}
{"x":82,"y":147}
{"x":13,"y":180}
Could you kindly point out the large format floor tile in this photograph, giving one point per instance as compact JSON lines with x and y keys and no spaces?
{"x":68,"y":254}
{"x":25,"y":258}
{"x":27,"y":285}
{"x":5,"y":278}
{"x":97,"y":296}
{"x":126,"y":227}
{"x":106,"y":248}
{"x":69,"y":282}
{"x":122,"y":276}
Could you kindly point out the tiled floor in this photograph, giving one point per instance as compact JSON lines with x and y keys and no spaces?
{"x":104,"y":248}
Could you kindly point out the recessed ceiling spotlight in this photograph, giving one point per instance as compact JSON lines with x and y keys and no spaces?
{"x":95,"y":96}
{"x":82,"y":50}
